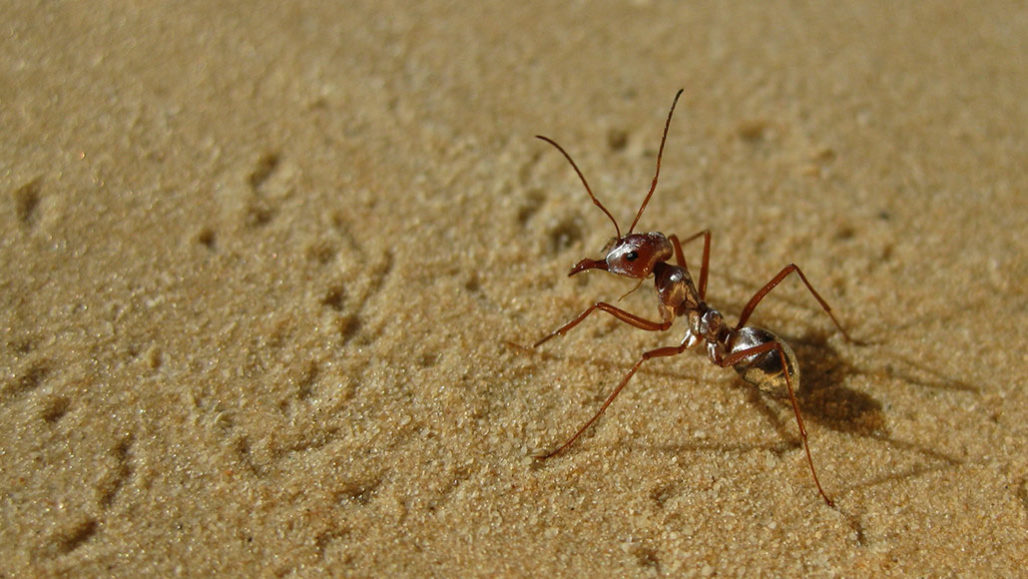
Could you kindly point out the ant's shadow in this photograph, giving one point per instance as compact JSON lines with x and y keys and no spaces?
{"x":824,"y":396}
{"x":825,"y":399}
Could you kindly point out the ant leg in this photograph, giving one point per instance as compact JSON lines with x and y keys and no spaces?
{"x":680,"y":257}
{"x":627,"y":317}
{"x":737,"y":357}
{"x":748,"y":310}
{"x":667,"y":351}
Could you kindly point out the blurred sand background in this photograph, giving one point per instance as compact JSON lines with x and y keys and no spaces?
{"x":268,"y":271}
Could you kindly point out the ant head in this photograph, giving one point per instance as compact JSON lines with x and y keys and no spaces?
{"x":633,"y":255}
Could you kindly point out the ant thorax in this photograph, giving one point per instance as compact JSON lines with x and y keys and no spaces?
{"x":676,"y":290}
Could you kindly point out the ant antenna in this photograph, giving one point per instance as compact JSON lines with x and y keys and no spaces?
{"x":584,"y":182}
{"x":660,"y":154}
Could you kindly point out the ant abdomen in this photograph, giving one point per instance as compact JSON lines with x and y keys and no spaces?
{"x":764,"y":370}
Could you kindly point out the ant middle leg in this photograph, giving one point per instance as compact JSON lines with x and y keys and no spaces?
{"x":627,"y":317}
{"x":748,"y":310}
{"x":659,"y":352}
{"x":737,"y":357}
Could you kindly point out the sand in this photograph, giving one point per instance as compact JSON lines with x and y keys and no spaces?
{"x":270,"y":272}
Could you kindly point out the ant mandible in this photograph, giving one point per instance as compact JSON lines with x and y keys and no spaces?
{"x":758,"y":355}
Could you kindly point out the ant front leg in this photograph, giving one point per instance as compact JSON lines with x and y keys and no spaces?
{"x":659,"y":352}
{"x":627,"y":317}
{"x":750,"y":357}
{"x":680,"y":257}
{"x":748,"y":310}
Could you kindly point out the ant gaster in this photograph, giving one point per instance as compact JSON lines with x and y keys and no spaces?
{"x":758,"y":355}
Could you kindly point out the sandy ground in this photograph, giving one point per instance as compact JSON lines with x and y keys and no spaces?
{"x":270,"y":271}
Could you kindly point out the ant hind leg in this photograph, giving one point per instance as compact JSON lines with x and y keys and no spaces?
{"x":762,"y":293}
{"x":740,"y":356}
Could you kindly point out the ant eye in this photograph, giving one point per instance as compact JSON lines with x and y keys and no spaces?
{"x":631,"y":255}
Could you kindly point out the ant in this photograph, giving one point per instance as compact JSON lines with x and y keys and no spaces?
{"x":758,"y":355}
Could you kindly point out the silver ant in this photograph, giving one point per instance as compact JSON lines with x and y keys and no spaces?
{"x":758,"y":355}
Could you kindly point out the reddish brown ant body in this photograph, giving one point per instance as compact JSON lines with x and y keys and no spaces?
{"x":758,"y":355}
